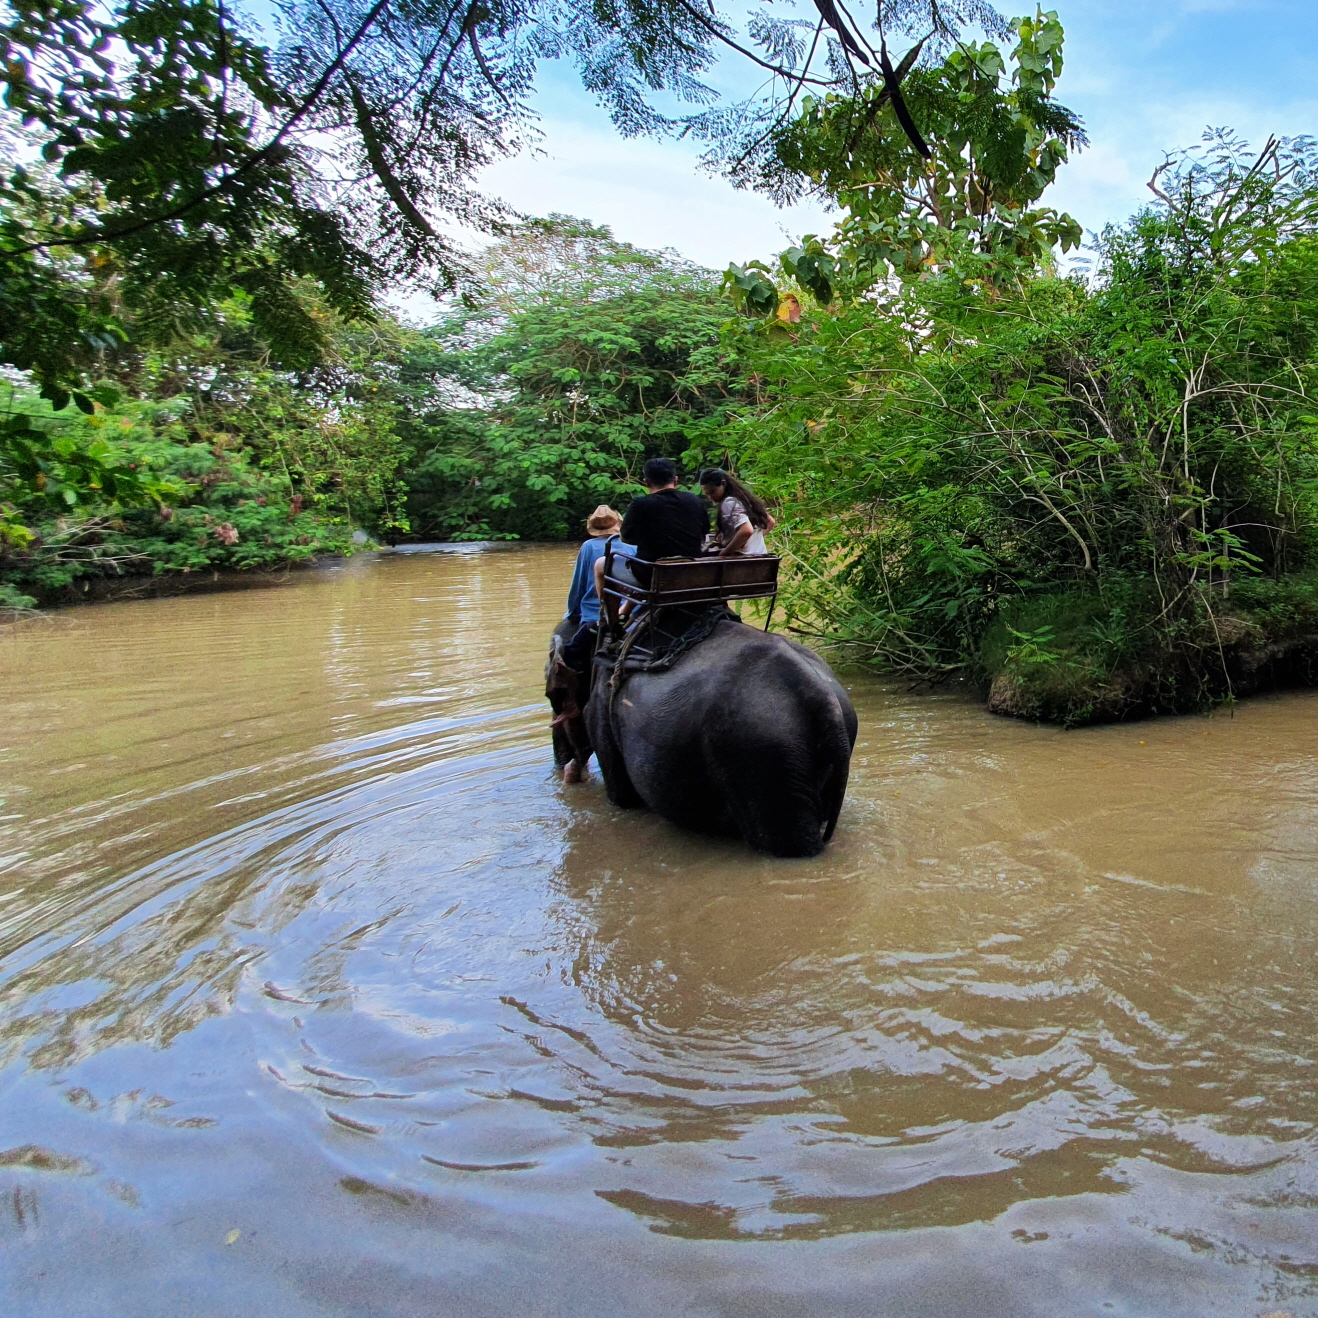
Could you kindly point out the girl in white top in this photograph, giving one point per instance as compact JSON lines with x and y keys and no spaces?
{"x":742,"y":516}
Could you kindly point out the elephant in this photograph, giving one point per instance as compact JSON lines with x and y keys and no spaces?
{"x":747,"y":734}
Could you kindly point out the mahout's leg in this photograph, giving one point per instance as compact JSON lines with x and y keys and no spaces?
{"x":565,"y":687}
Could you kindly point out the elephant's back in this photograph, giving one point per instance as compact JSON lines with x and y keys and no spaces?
{"x":743,"y":660}
{"x":738,"y":671}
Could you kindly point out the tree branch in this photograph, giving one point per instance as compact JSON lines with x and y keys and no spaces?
{"x":252,"y":161}
{"x":718,"y":32}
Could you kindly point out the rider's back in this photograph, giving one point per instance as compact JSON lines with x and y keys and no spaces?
{"x":668,"y":523}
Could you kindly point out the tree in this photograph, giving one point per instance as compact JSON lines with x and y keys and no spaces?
{"x":560,"y":259}
{"x":1096,"y":496}
{"x":910,"y":205}
{"x":195,"y":165}
{"x":204,"y":457}
{"x":588,"y":357}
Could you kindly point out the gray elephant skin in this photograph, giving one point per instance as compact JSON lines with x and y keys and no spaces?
{"x":748,"y":734}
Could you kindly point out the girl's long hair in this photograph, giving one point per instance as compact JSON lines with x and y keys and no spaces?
{"x":756,"y":509}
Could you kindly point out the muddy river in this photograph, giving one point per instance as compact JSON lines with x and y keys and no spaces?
{"x":320,"y":995}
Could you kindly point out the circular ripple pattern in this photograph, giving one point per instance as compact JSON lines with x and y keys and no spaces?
{"x":318,"y":994}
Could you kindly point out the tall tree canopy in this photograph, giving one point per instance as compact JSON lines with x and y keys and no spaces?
{"x":583,"y":357}
{"x":1094,"y":496}
{"x":996,"y":138}
{"x":185,"y":162}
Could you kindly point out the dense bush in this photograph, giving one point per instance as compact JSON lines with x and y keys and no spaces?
{"x":589,"y":357}
{"x":215,"y":509}
{"x":511,"y":419}
{"x":1069,"y":490}
{"x":205,"y":459}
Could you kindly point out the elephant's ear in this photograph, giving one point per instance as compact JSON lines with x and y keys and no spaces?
{"x":560,"y":679}
{"x":556,"y":646}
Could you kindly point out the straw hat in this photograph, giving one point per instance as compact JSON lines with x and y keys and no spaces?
{"x":604,"y":521}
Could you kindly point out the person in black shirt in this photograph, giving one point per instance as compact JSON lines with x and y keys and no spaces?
{"x":667,"y":522}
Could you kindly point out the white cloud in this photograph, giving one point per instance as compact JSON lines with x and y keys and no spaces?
{"x":1108,"y":181}
{"x":650,"y":193}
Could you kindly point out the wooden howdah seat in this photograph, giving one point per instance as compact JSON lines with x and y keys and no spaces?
{"x":687,"y":582}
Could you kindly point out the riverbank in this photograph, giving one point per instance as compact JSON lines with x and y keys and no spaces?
{"x":1242,"y":670}
{"x":1080,"y":659}
{"x":1061,"y":661}
{"x":164,"y":585}
{"x":103,"y":590}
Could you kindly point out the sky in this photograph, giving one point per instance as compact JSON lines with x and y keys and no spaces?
{"x":1146,"y":77}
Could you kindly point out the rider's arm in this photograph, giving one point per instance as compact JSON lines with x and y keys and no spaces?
{"x":737,"y":539}
{"x":625,"y":606}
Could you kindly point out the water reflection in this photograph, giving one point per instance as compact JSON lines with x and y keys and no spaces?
{"x":1044,"y":989}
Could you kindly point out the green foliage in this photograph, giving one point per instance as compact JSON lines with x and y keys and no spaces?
{"x":1074,"y":488}
{"x":559,"y":260}
{"x":156,"y":200}
{"x":995,"y":149}
{"x":811,"y":266}
{"x":223,"y":511}
{"x":513,"y":419}
{"x":751,"y":289}
{"x":185,"y":213}
{"x":556,"y":403}
{"x":335,"y":435}
{"x":1031,"y":650}
{"x":12,"y":600}
{"x":172,"y":161}
{"x":43,"y":465}
{"x":207,"y":459}
{"x":1282,"y":610}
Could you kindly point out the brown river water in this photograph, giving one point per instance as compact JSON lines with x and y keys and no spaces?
{"x":320,"y":995}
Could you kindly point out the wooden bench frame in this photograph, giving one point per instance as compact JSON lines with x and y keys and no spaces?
{"x":687,"y":581}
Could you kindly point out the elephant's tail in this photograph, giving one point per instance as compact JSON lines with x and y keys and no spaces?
{"x":833,"y":747}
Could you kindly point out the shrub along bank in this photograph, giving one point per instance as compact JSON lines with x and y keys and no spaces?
{"x":1096,"y":497}
{"x":510,"y":419}
{"x":201,"y":460}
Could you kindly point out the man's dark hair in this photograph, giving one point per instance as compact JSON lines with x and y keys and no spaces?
{"x":659,"y":471}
